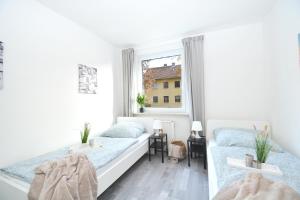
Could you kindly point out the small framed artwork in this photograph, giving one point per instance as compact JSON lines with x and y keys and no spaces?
{"x":87,"y":79}
{"x":299,"y":47}
{"x":1,"y":80}
{"x":1,"y":65}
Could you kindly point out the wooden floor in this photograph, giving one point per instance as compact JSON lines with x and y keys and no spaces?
{"x":157,"y":181}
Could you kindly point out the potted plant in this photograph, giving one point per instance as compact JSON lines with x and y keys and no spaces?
{"x":262,"y":148}
{"x":140,"y":99}
{"x":85,"y":133}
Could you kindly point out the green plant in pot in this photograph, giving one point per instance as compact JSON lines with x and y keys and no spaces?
{"x":85,"y":133}
{"x":140,"y":99}
{"x":262,"y":147}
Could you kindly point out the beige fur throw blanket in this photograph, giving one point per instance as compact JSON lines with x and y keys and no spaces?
{"x":73,"y":177}
{"x":256,"y":187}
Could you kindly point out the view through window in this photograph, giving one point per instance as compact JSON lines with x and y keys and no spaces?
{"x":162,"y":82}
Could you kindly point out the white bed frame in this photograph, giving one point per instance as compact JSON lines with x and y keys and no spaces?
{"x":10,"y":190}
{"x":211,"y":125}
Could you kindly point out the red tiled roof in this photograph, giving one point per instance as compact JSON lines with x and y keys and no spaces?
{"x":163,"y":72}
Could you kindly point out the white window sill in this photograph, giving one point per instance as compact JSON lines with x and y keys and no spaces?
{"x":161,"y":114}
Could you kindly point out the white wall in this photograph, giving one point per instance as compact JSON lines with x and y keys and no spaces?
{"x":281,"y":27}
{"x":236,"y":79}
{"x":40,"y":108}
{"x":181,"y":124}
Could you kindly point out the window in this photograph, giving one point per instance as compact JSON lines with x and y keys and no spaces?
{"x":166,"y":99}
{"x":178,"y":99}
{"x":166,"y":85}
{"x":158,"y":74}
{"x":155,"y":85}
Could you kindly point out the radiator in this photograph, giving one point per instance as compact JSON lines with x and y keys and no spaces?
{"x":169,"y":128}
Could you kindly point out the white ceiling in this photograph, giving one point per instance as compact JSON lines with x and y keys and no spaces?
{"x":134,"y":22}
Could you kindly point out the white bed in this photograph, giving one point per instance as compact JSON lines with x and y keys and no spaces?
{"x":210,"y":127}
{"x":11,"y":188}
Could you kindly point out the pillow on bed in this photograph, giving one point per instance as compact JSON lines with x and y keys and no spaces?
{"x":124,"y":130}
{"x":276,"y":147}
{"x":134,"y":124}
{"x":235,"y":137}
{"x":241,"y":138}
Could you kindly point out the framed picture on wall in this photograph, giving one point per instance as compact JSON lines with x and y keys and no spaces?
{"x":299,"y":47}
{"x":1,"y":80}
{"x":1,"y":65}
{"x":87,"y":79}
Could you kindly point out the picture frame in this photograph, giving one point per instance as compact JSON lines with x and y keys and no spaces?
{"x":1,"y":65}
{"x":299,"y":49}
{"x":87,"y":82}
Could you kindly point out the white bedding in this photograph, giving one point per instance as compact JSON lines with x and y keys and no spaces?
{"x":24,"y":186}
{"x":211,"y":125}
{"x":141,"y":139}
{"x":221,"y":174}
{"x":212,"y":176}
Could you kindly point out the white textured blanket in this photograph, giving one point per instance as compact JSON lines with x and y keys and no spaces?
{"x":256,"y":187}
{"x":73,"y":177}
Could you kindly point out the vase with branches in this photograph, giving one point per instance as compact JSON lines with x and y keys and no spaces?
{"x":140,"y":99}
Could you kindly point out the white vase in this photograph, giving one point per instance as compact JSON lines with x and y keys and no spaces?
{"x":84,"y":145}
{"x":92,"y":142}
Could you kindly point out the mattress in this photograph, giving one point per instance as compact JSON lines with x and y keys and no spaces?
{"x":212,"y":177}
{"x":111,"y":151}
{"x":224,"y":175}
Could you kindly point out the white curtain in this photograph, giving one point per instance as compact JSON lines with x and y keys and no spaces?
{"x":194,"y":77}
{"x":128,"y":63}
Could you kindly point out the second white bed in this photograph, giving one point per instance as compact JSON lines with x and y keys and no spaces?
{"x":211,"y":126}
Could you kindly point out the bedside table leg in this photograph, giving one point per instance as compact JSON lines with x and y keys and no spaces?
{"x":205,"y":159}
{"x":162,"y":151}
{"x":155,"y":144}
{"x":189,"y":152}
{"x":167,"y":145}
{"x":149,"y":149}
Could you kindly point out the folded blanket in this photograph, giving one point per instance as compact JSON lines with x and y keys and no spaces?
{"x":73,"y":177}
{"x":256,"y":187}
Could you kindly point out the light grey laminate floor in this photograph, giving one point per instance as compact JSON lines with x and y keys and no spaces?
{"x":157,"y":181}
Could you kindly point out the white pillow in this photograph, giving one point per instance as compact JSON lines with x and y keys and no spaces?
{"x":125,"y":130}
{"x":241,"y":138}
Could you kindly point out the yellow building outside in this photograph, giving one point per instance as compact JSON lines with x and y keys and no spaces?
{"x":165,"y":94}
{"x":162,"y":86}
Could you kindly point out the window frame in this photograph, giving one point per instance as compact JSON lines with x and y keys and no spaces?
{"x":153,"y":99}
{"x":175,"y":84}
{"x":166,"y":97}
{"x":150,"y":55}
{"x":165,"y":85}
{"x":179,"y":98}
{"x":155,"y":86}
